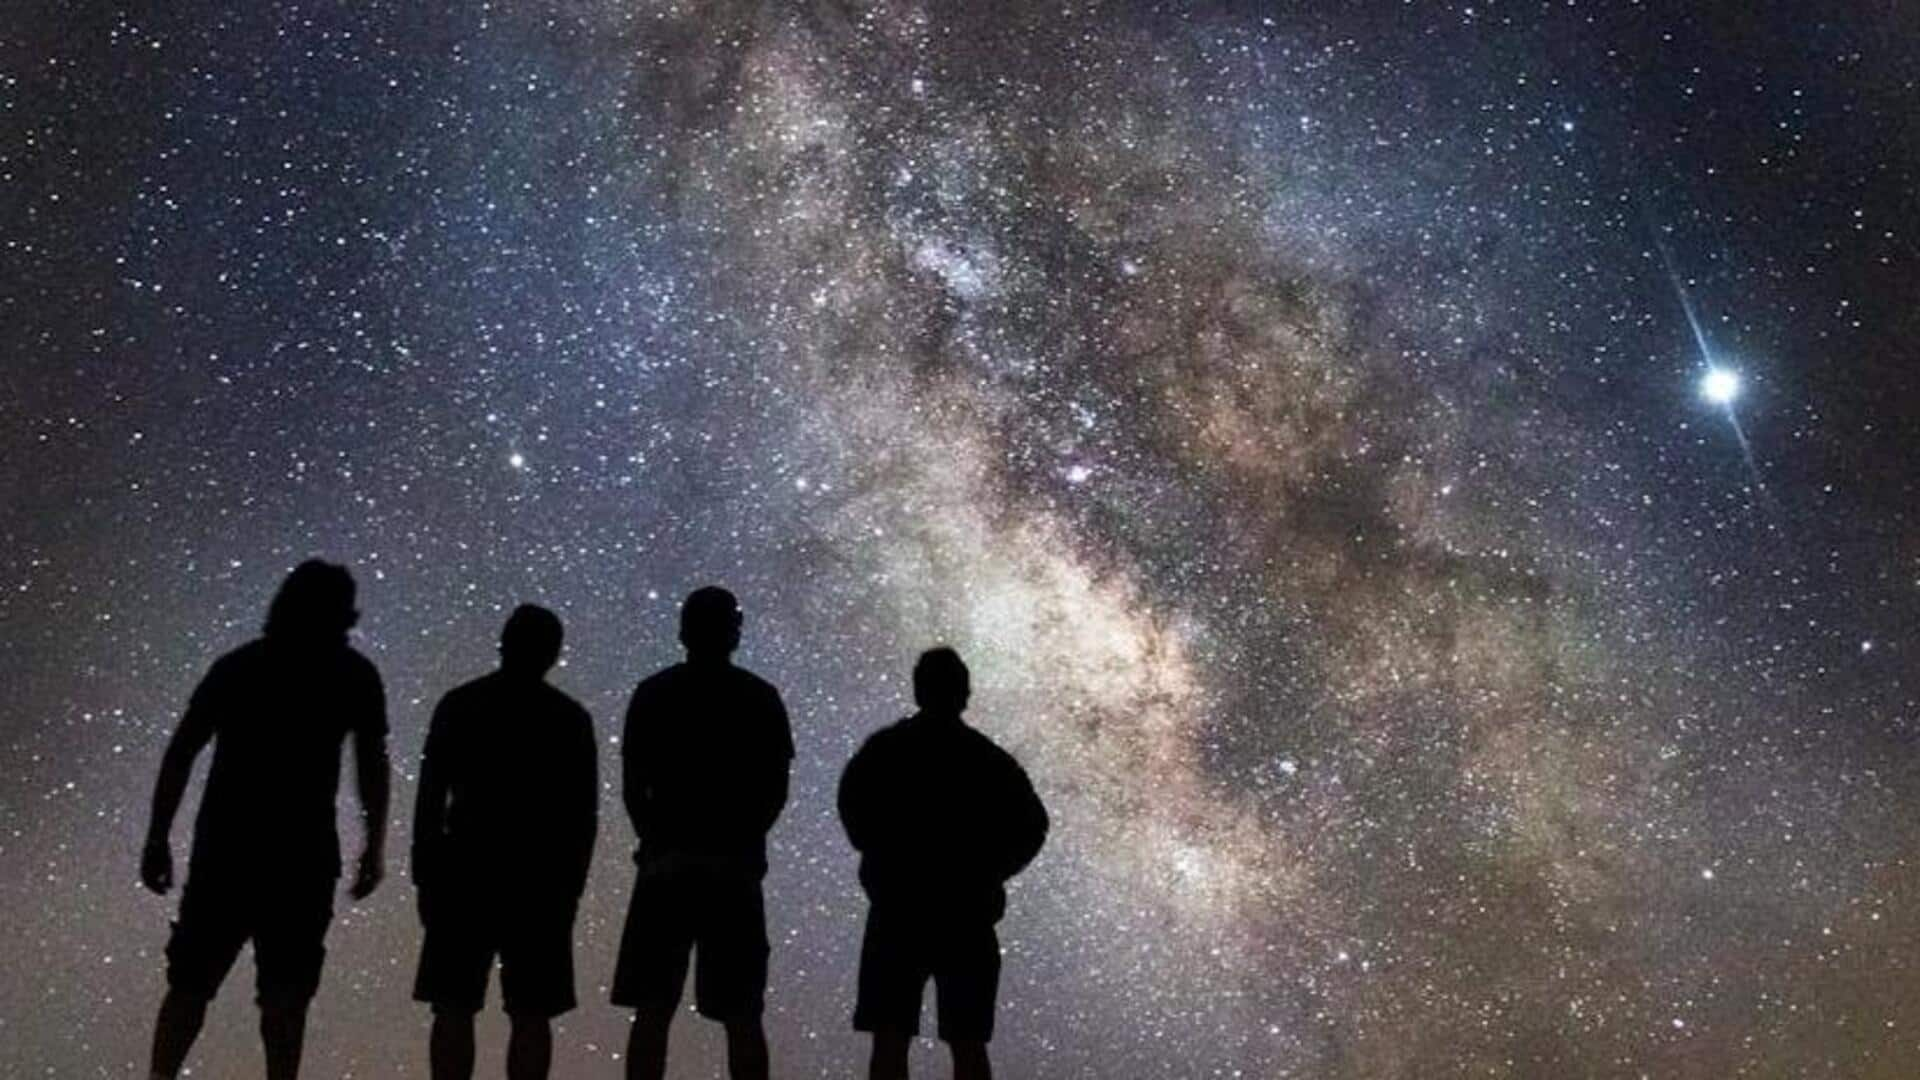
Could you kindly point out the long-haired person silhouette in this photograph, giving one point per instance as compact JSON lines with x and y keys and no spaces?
{"x":265,"y":852}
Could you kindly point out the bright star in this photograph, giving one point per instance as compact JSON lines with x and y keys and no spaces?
{"x":1720,"y":386}
{"x":517,"y":461}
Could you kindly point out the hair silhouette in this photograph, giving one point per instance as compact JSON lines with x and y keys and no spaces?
{"x":315,"y":601}
{"x":265,"y":852}
{"x":531,"y":640}
{"x":941,"y":681}
{"x":710,"y":622}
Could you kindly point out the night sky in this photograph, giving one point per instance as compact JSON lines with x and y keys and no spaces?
{"x":1297,"y":416}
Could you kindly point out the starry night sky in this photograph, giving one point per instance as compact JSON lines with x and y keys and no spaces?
{"x":1291,"y":412}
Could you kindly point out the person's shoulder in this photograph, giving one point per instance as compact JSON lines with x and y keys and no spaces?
{"x":889,"y":737}
{"x":565,"y":704}
{"x":986,"y":747}
{"x":474,"y":690}
{"x":753,"y":683}
{"x":661,"y":681}
{"x":355,"y":665}
{"x":239,"y":658}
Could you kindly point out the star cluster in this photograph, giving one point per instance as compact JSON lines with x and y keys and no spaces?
{"x":1295,"y":416}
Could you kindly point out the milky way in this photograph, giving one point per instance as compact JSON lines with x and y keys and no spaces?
{"x":1289,"y":415}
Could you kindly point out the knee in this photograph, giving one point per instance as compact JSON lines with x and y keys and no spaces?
{"x":284,"y":1007}
{"x":183,"y":1001}
{"x":529,"y":1024}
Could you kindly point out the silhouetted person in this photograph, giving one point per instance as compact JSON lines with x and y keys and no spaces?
{"x":502,"y":838}
{"x":265,"y":852}
{"x":705,"y":757}
{"x":942,"y":818}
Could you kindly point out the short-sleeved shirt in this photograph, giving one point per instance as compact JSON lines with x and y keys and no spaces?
{"x":278,"y":712}
{"x":706,"y":753}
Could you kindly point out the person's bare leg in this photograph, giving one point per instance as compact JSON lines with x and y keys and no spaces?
{"x":179,"y":1023}
{"x":970,"y":1061}
{"x":746,"y":1050}
{"x":529,"y":1048}
{"x":450,"y":1045}
{"x":283,"y":1031}
{"x":647,"y":1044}
{"x":889,"y":1060}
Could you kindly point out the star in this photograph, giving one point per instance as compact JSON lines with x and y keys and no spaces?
{"x":1720,"y":385}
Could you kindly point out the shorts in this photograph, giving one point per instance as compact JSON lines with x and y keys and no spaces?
{"x":900,"y":953}
{"x":720,"y":920}
{"x":534,"y":943}
{"x":287,"y":924}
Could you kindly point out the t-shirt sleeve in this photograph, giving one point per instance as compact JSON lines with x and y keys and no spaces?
{"x":854,"y":797}
{"x":207,"y":707}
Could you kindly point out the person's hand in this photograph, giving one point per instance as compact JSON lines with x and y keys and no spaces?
{"x":156,"y":866}
{"x":368,"y":877}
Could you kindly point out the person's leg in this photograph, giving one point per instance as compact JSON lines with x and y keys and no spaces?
{"x":730,"y":972}
{"x":970,"y":1061}
{"x":651,"y":973}
{"x":181,"y":1016}
{"x":647,"y":1044}
{"x":889,"y":1060}
{"x":893,"y":975}
{"x":529,"y":1047}
{"x":536,"y":980}
{"x":746,"y":1050}
{"x":283,"y":1032}
{"x":966,"y":979}
{"x":456,"y":960}
{"x":289,"y":949}
{"x":206,"y":940}
{"x":450,"y":1048}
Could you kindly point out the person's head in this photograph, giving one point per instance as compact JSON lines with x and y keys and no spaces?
{"x":314,"y":602}
{"x":710,"y":623}
{"x":530,"y":642}
{"x":941,"y":683}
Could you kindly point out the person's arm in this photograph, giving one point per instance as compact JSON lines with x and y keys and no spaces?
{"x":583,"y":795}
{"x":777,"y":767}
{"x":373,"y":776}
{"x":190,"y":736}
{"x":636,"y":766}
{"x":1026,"y":820}
{"x":855,"y":798}
{"x":430,"y":807}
